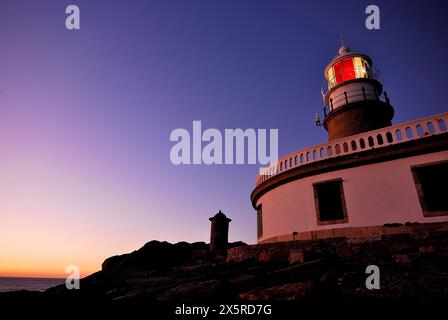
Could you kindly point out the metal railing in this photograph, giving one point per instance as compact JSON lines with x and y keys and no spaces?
{"x":355,"y":95}
{"x":380,"y":138}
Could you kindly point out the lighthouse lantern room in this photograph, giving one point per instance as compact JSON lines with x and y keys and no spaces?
{"x":353,"y":94}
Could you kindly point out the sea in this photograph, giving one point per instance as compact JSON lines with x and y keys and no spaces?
{"x":30,"y":284}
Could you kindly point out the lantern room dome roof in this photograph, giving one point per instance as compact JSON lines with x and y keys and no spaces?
{"x":344,"y":50}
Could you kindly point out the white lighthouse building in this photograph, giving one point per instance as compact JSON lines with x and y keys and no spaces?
{"x":370,"y":178}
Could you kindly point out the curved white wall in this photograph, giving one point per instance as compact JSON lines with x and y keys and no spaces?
{"x":375,"y":194}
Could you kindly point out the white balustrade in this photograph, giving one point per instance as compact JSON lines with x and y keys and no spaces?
{"x":396,"y":134}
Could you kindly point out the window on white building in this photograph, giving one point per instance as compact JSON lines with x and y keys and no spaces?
{"x":330,"y":202}
{"x":259,"y":221}
{"x":430,"y":180}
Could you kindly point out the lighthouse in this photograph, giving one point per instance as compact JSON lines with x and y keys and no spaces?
{"x":370,"y":178}
{"x":355,"y":100}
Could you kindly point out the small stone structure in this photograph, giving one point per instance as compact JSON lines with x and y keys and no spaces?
{"x":219,"y":234}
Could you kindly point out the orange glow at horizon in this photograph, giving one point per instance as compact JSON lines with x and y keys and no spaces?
{"x":23,"y":271}
{"x":52,"y":218}
{"x":45,"y":257}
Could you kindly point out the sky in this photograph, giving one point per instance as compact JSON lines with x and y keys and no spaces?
{"x":86,"y":115}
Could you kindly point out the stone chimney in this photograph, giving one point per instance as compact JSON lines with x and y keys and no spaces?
{"x":219,"y":234}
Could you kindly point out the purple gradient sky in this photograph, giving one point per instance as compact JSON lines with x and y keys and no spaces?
{"x":85,"y":116}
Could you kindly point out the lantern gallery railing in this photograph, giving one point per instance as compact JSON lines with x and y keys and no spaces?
{"x":400,"y":133}
{"x":355,"y":95}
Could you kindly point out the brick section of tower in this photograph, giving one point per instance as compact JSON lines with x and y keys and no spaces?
{"x":358,"y":117}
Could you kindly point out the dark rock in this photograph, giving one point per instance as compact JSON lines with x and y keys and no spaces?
{"x":205,"y":290}
{"x":344,"y":252}
{"x":113,"y":262}
{"x":236,"y":244}
{"x":158,"y":255}
{"x":199,"y":246}
{"x":264,"y":256}
{"x":289,"y":291}
{"x":427,"y":249}
{"x":411,"y":267}
{"x":401,"y":259}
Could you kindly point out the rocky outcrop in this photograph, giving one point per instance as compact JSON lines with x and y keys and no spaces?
{"x":158,"y":255}
{"x":413,"y":266}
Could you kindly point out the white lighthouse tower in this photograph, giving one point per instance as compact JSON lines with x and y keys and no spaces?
{"x":370,"y":178}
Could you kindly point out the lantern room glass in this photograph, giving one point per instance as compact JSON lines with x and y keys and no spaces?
{"x":347,"y":69}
